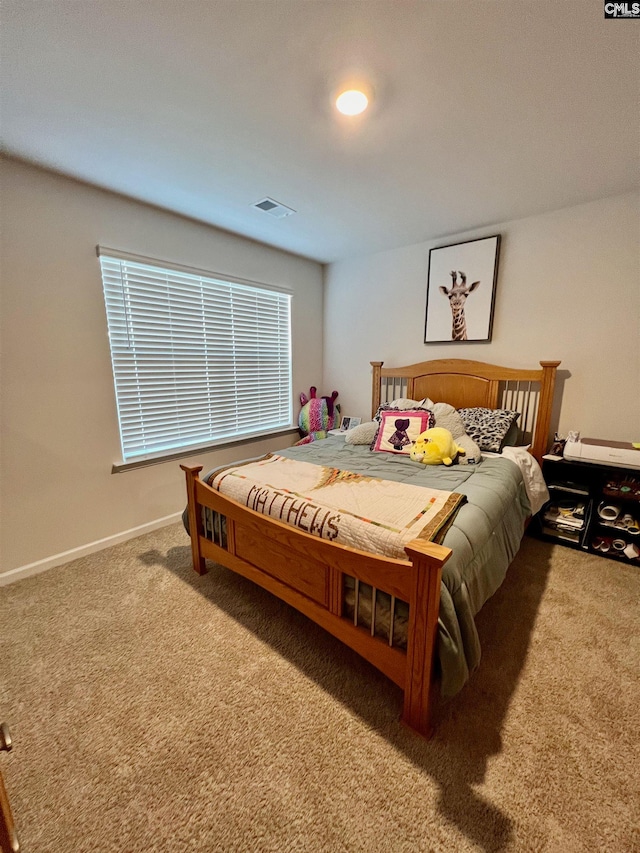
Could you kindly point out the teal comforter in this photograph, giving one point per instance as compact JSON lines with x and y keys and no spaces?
{"x":485,"y":536}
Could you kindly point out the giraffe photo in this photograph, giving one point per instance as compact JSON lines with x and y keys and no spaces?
{"x":461,"y":287}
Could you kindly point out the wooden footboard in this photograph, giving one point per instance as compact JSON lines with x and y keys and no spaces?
{"x":309,"y":574}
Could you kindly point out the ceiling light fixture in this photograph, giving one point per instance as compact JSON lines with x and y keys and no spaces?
{"x":352,"y":102}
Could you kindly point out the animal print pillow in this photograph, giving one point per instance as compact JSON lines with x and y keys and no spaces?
{"x":399,"y":429}
{"x":488,"y":427}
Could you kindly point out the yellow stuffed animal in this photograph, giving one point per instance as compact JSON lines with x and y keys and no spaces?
{"x":435,"y":446}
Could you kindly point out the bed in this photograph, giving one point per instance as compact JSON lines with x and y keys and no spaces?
{"x":410,"y":615}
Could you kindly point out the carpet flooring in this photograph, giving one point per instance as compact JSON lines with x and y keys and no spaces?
{"x":154,"y":710}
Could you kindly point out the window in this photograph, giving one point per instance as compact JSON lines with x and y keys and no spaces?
{"x":197,"y":360}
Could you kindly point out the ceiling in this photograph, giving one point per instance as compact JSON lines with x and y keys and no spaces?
{"x":484,"y":110}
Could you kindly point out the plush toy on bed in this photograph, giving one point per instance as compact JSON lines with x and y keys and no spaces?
{"x":449,"y":418}
{"x":317,"y":416}
{"x":435,"y":446}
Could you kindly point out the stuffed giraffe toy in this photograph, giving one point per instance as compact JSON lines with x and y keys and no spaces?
{"x":457,"y":296}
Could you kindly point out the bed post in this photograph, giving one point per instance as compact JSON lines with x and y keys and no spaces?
{"x":195,"y":521}
{"x":547,"y":387}
{"x":375,"y":390}
{"x":427,"y":559}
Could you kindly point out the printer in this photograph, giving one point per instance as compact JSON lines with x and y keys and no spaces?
{"x":617,"y":453}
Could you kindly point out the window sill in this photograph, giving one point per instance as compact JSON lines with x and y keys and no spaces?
{"x":183,"y":452}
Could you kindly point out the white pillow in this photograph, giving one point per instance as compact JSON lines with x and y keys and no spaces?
{"x":405,"y":403}
{"x":362,"y":434}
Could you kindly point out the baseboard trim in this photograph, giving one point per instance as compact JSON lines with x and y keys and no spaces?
{"x":75,"y":553}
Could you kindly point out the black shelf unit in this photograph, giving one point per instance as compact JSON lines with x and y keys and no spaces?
{"x":595,"y":508}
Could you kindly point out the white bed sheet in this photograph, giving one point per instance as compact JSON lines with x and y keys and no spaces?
{"x":534,"y":483}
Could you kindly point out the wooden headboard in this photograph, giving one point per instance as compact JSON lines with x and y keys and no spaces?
{"x":465,"y":383}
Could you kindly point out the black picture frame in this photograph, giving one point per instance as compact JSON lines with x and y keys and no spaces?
{"x":458,"y":274}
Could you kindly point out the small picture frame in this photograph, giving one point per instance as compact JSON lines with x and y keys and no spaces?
{"x":347,"y":423}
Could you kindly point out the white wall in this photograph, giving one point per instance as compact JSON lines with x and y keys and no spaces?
{"x":59,"y":425}
{"x":568,"y":288}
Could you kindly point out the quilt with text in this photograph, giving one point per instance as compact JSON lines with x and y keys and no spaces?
{"x":368,"y":513}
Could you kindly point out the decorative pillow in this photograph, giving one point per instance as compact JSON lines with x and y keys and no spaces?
{"x":399,"y":429}
{"x":449,"y":418}
{"x":362,"y":434}
{"x":404,"y":404}
{"x":488,"y":427}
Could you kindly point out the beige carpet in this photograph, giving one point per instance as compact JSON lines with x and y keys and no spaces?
{"x":153,"y":710}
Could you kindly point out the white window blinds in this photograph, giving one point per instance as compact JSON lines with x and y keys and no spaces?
{"x":196,"y":359}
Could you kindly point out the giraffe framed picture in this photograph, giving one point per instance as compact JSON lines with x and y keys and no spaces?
{"x":461,"y":291}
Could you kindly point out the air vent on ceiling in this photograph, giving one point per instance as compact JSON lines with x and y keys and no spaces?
{"x":273,"y":208}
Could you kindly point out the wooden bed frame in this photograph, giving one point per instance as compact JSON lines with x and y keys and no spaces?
{"x":308,"y":573}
